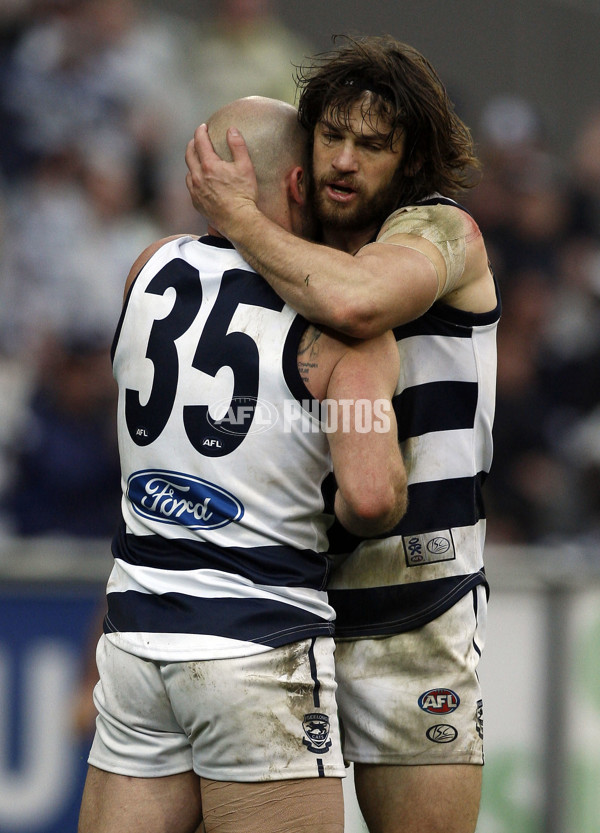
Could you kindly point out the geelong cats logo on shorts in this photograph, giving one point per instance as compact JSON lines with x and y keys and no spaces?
{"x":174,"y":498}
{"x":316,"y":729}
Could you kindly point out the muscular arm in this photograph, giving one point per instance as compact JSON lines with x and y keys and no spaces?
{"x":384,"y":285}
{"x":372,"y":486}
{"x":362,"y":296}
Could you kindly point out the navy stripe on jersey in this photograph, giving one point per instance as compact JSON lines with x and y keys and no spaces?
{"x":429,"y":325}
{"x":442,"y":319}
{"x":462,"y":319}
{"x":400,"y":608}
{"x":443,"y":504}
{"x":435,"y":406}
{"x":276,"y":566}
{"x":264,"y":621}
{"x":217,"y":242}
{"x":439,"y":504}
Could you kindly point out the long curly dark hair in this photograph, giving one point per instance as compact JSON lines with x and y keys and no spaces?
{"x":407,"y":92}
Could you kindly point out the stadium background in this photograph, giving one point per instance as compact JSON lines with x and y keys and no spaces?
{"x":525,"y":76}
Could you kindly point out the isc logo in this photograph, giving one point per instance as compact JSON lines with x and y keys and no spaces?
{"x":439,"y":701}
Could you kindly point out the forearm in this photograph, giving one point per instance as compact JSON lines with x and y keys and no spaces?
{"x":371,"y":477}
{"x":372,"y":487}
{"x":326,"y":286}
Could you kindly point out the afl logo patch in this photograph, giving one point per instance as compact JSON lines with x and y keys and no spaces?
{"x":316,"y":729}
{"x":242,"y":415}
{"x":439,"y":701}
{"x":442,"y":733}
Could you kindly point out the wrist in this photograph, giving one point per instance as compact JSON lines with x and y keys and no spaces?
{"x":239,"y":224}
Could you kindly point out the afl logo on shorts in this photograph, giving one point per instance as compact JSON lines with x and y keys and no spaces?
{"x":439,"y":701}
{"x":316,"y":729}
{"x":442,"y":733}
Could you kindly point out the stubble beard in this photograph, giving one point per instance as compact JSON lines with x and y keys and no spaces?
{"x":363,"y":213}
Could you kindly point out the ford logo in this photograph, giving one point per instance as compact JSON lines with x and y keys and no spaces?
{"x":173,"y":498}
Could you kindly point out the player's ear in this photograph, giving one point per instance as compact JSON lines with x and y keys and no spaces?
{"x":296,"y":185}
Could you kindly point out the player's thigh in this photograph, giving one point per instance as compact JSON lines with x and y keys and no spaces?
{"x":301,"y":805}
{"x":419,"y":799}
{"x":114,"y":803}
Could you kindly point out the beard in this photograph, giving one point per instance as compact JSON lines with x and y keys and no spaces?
{"x":364,"y":212}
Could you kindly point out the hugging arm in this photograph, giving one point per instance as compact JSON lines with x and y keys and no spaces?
{"x":372,"y":487}
{"x":362,"y":296}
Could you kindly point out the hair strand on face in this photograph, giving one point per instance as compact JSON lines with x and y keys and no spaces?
{"x":400,"y":93}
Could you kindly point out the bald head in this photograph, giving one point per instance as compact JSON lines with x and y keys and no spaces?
{"x":276,"y":142}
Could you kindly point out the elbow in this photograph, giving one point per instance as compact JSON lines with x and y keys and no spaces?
{"x":392,"y":502}
{"x":390,"y":508}
{"x":358,"y":318}
{"x":377,"y":511}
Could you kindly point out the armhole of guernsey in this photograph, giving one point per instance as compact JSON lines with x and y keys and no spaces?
{"x":117,"y":334}
{"x":291,"y":373}
{"x":174,"y":243}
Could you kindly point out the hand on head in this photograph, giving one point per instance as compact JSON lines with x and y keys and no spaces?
{"x":215,"y":184}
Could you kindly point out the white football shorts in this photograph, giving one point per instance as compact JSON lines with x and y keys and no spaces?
{"x":269,"y":716}
{"x":414,"y":698}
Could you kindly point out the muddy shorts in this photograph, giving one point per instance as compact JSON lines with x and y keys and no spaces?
{"x":414,"y":698}
{"x":265,"y":717}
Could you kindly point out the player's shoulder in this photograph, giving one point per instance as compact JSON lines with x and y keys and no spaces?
{"x":438,"y":220}
{"x":143,"y":258}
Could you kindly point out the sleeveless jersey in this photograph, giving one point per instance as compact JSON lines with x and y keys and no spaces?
{"x":444,"y":403}
{"x":222,"y":547}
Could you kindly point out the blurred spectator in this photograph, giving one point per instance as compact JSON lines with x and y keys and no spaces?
{"x":65,"y":477}
{"x":84,"y":65}
{"x":585,"y":168}
{"x":73,"y":231}
{"x":245,"y":49}
{"x":583,"y":454}
{"x":527,"y":493}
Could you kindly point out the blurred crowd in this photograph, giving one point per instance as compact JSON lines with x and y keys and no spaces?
{"x":540,"y":215}
{"x":97,"y":101}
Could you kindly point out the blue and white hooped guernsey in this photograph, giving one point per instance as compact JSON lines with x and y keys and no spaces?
{"x":444,"y":403}
{"x":222,"y":547}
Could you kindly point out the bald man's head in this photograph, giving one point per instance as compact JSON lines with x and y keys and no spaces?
{"x":276,"y":141}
